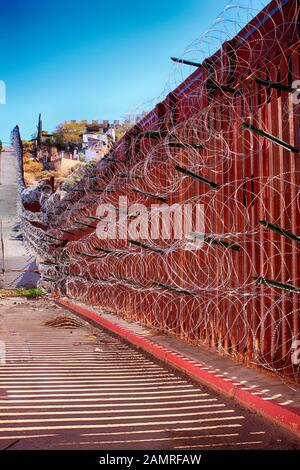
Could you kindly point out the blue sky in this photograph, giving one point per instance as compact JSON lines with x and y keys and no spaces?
{"x":95,"y":59}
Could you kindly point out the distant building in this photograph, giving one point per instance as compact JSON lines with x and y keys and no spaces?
{"x":45,"y":136}
{"x":98,"y":140}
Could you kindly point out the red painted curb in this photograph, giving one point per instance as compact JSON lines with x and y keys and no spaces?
{"x":285,"y":416}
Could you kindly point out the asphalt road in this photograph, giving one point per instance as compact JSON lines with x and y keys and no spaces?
{"x":82,"y":388}
{"x":17,"y":265}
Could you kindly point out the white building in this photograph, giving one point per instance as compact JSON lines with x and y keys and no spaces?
{"x":97,"y":141}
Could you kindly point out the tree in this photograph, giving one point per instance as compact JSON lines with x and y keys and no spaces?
{"x":27,"y":145}
{"x":122,"y":128}
{"x":69,"y":134}
{"x":129,"y":120}
{"x":1,"y":146}
{"x":39,"y":132}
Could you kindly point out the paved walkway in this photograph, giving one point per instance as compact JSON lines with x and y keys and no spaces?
{"x":17,"y":265}
{"x":254,"y":387}
{"x":82,"y":388}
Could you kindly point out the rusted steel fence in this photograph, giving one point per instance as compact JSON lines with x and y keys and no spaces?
{"x":227,"y":138}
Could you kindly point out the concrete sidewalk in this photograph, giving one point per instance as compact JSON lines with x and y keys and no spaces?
{"x":65,"y":384}
{"x":254,"y":388}
{"x":18,"y":267}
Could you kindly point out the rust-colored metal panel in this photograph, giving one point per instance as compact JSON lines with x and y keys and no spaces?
{"x":227,"y":138}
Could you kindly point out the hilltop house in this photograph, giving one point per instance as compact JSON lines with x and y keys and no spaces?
{"x":97,"y":140}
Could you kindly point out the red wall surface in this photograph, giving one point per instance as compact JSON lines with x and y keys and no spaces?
{"x":237,"y":294}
